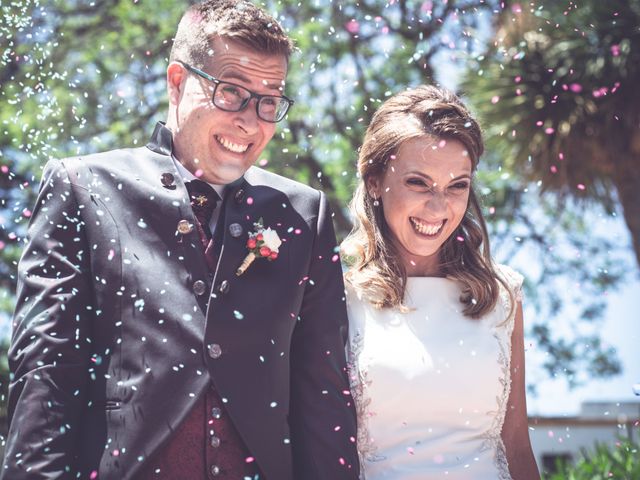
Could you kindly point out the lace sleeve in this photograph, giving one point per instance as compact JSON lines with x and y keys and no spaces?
{"x":508,"y":298}
{"x":513,"y":279}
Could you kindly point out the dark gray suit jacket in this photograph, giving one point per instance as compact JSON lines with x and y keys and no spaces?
{"x":110,"y":342}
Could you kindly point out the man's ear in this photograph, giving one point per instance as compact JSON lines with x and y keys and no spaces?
{"x":176,"y":77}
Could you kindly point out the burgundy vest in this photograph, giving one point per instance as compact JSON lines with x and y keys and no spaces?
{"x":206,"y":445}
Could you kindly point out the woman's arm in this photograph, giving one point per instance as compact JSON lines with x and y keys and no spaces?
{"x":515,"y":431}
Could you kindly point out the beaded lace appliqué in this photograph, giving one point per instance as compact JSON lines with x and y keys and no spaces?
{"x":358,"y":383}
{"x":502,"y":335}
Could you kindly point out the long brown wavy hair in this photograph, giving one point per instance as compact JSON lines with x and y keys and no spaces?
{"x":374,"y":261}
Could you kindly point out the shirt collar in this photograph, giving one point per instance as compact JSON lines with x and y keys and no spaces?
{"x":187,"y":176}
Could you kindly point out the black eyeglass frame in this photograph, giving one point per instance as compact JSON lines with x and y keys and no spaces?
{"x":246,"y":101}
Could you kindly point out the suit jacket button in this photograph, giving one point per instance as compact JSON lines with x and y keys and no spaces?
{"x":224,"y":287}
{"x":167,"y":179}
{"x":199,"y":287}
{"x":184,"y":227}
{"x":215,"y":441}
{"x":235,"y":229}
{"x":239,"y":195}
{"x":215,"y":470}
{"x":215,"y":351}
{"x":216,"y":412}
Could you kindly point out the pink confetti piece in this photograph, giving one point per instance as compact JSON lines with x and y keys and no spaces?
{"x":352,"y":26}
{"x":250,"y":201}
{"x":495,"y":99}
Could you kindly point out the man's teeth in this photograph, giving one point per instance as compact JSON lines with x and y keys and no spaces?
{"x":234,"y":147}
{"x":426,"y":228}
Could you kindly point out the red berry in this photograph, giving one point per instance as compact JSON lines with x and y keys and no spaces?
{"x":265,"y":251}
{"x":259,"y":237}
{"x":251,"y":243}
{"x":273,"y":255}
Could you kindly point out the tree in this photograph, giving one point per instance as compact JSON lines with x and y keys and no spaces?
{"x":556,"y":91}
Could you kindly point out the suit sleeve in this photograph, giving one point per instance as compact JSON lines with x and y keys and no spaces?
{"x":322,"y":416}
{"x":48,"y":356}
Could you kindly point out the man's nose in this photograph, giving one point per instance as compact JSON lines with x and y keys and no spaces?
{"x":247,"y":119}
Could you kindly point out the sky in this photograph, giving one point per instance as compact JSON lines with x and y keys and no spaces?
{"x":621,"y":329}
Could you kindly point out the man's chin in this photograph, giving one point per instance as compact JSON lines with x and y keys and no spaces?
{"x":225,"y":176}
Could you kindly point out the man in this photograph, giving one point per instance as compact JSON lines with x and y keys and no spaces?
{"x":140,"y":349}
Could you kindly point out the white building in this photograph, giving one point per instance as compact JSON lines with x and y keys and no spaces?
{"x":567,"y":436}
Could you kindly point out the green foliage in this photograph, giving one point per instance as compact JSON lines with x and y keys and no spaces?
{"x":621,"y":462}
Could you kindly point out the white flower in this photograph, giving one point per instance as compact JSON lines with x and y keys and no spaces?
{"x":271,"y":239}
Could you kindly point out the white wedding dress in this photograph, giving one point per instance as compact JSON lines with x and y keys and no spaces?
{"x":431,"y":385}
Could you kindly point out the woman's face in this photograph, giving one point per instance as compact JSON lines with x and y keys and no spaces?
{"x":424,"y":195}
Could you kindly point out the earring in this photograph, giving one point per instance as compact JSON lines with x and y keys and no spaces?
{"x":376,"y":203}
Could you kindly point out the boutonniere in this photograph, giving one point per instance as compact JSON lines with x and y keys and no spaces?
{"x":262,"y":243}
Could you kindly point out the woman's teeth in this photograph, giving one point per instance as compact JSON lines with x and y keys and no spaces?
{"x":426,"y":228}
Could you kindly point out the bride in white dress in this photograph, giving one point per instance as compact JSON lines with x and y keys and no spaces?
{"x":436,"y":338}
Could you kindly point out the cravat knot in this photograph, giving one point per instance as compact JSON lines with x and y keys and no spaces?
{"x":203,"y":200}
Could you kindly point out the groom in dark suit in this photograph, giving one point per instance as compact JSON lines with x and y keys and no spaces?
{"x":144,"y":345}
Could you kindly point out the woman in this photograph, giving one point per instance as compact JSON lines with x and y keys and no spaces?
{"x":436,"y":336}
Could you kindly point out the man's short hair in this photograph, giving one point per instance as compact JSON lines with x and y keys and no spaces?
{"x":237,"y":20}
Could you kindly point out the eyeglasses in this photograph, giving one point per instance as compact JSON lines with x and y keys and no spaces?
{"x":231,"y":97}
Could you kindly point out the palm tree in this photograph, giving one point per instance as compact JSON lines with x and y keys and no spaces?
{"x":557,"y":95}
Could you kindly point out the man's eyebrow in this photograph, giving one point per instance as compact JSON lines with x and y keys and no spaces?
{"x":235,"y":75}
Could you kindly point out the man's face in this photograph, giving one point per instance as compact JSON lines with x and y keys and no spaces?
{"x":215,"y":145}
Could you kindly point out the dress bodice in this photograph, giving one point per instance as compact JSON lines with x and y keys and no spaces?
{"x":431,"y":385}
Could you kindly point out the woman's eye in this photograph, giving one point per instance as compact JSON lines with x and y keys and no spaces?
{"x":416,"y":182}
{"x":460,"y":185}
